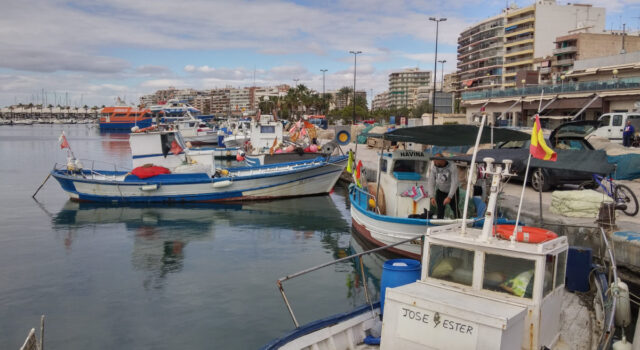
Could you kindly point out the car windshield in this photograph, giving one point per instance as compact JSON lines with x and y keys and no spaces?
{"x":575,"y":130}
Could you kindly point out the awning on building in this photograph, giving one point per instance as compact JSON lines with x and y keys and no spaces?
{"x":556,"y":117}
{"x":538,"y":98}
{"x":582,"y":95}
{"x":619,"y":93}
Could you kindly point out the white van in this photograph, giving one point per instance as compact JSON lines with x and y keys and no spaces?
{"x":612,"y":125}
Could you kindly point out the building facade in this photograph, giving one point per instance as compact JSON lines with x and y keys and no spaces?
{"x":403,"y":87}
{"x":380,"y":101}
{"x":492,"y":52}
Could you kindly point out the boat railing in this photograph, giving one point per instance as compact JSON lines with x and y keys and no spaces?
{"x":609,"y":325}
{"x":93,"y":171}
{"x":368,"y":299}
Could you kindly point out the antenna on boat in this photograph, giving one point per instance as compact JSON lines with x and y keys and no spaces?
{"x":463,"y":229}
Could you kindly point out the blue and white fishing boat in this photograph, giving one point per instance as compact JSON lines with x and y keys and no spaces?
{"x":396,"y":206}
{"x":473,"y":290}
{"x":193,"y":176}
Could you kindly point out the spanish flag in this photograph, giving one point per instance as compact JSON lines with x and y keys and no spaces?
{"x":538,"y":147}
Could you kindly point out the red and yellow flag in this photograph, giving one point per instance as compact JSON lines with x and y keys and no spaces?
{"x":538,"y":147}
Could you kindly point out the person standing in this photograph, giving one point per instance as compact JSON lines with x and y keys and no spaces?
{"x":443,"y":186}
{"x":627,"y":134}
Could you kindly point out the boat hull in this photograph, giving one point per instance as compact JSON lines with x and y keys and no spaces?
{"x":141,"y":123}
{"x":117,"y":187}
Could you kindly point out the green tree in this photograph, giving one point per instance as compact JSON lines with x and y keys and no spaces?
{"x":422,"y":108}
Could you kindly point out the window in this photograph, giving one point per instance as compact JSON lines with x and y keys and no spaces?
{"x":267,"y":129}
{"x":451,"y":264}
{"x":409,"y":166}
{"x":547,"y":285}
{"x":509,"y":275}
{"x":605,"y":120}
{"x":561,"y":270}
{"x":617,"y":120}
{"x":383,"y":165}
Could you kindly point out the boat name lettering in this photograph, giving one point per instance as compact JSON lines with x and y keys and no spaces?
{"x":438,"y":321}
{"x":411,"y":154}
{"x":415,"y":315}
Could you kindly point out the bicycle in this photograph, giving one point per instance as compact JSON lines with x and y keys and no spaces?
{"x":622,"y":195}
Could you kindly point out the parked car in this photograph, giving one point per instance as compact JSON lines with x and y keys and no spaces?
{"x":568,"y":136}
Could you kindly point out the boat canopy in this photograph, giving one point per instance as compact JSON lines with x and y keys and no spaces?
{"x":592,"y":161}
{"x":451,"y":135}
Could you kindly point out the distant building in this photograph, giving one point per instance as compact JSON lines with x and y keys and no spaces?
{"x":203,"y":103}
{"x":220,"y":101}
{"x":340,"y":101}
{"x":403,"y":87}
{"x":380,"y":101}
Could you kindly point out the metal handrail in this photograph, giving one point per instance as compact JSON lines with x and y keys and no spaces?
{"x":317,"y":267}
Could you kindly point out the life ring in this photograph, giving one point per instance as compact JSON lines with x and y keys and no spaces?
{"x":525,"y":234}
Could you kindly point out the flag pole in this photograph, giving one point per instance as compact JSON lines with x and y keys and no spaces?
{"x":524,"y":185}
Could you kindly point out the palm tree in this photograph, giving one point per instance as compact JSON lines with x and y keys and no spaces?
{"x":343,"y":95}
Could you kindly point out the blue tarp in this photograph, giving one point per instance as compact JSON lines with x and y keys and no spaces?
{"x":627,"y":166}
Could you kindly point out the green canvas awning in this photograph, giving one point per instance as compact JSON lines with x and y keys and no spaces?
{"x":451,"y":135}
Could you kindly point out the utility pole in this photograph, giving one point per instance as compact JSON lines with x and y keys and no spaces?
{"x":355,"y":54}
{"x":323,"y":93}
{"x":435,"y":68}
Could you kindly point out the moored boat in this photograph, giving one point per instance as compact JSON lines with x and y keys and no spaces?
{"x":182,"y":175}
{"x":124,"y":118}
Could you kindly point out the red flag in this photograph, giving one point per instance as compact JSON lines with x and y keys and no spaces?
{"x":63,"y":142}
{"x":175,"y":148}
{"x":538,"y":147}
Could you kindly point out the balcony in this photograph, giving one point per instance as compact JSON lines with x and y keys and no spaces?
{"x":518,"y":63}
{"x":566,"y":49}
{"x":536,"y":90}
{"x":545,"y":70}
{"x":564,"y":62}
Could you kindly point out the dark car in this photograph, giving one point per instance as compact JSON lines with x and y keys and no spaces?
{"x":568,"y":136}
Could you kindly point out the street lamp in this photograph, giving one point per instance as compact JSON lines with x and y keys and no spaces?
{"x":524,"y":84}
{"x":435,"y":68}
{"x":323,"y":95}
{"x":562,"y":77}
{"x":355,"y":54}
{"x":442,"y":73}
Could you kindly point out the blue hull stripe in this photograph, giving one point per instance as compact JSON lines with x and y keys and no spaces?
{"x":126,"y":126}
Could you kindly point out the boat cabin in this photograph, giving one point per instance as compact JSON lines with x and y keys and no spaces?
{"x":167,"y":149}
{"x":402,"y":175}
{"x":479,"y":292}
{"x":264,"y":132}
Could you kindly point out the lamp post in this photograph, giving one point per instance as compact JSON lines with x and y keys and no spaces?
{"x":562,"y":77}
{"x":615,"y":75}
{"x":355,"y":54}
{"x":524,"y":84}
{"x":323,"y":95}
{"x":442,"y":74}
{"x":435,"y":68}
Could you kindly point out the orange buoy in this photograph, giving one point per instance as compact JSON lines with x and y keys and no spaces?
{"x":526,"y":234}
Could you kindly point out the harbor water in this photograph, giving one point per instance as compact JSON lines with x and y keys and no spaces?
{"x":192,"y":276}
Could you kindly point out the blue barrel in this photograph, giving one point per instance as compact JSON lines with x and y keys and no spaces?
{"x":578,"y":269}
{"x":398,"y":272}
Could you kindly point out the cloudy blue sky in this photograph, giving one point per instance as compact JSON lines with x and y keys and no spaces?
{"x":93,"y":51}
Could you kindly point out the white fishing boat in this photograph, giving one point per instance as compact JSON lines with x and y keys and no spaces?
{"x":182,"y":175}
{"x":195,"y":131}
{"x":266,"y":134}
{"x":237,"y":133}
{"x":476,"y":290}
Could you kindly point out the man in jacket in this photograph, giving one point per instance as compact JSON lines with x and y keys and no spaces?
{"x":443,"y":186}
{"x":627,"y":134}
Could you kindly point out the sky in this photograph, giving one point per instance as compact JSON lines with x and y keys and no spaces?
{"x":88,"y":52}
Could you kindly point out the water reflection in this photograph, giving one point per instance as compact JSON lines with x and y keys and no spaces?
{"x":162,"y":232}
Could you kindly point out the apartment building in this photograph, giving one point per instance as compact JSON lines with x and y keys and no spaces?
{"x":480,"y":54}
{"x":492,"y":52}
{"x":220,"y":101}
{"x":403,"y":87}
{"x":530,"y":32}
{"x":582,"y":46}
{"x":203,"y":103}
{"x":380,"y":101}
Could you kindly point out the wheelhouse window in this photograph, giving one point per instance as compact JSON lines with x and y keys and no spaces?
{"x":504,"y":274}
{"x":451,"y":264}
{"x":267,"y":129}
{"x":549,"y":272}
{"x":561,"y":269}
{"x":409,"y":166}
{"x":383,"y":165}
